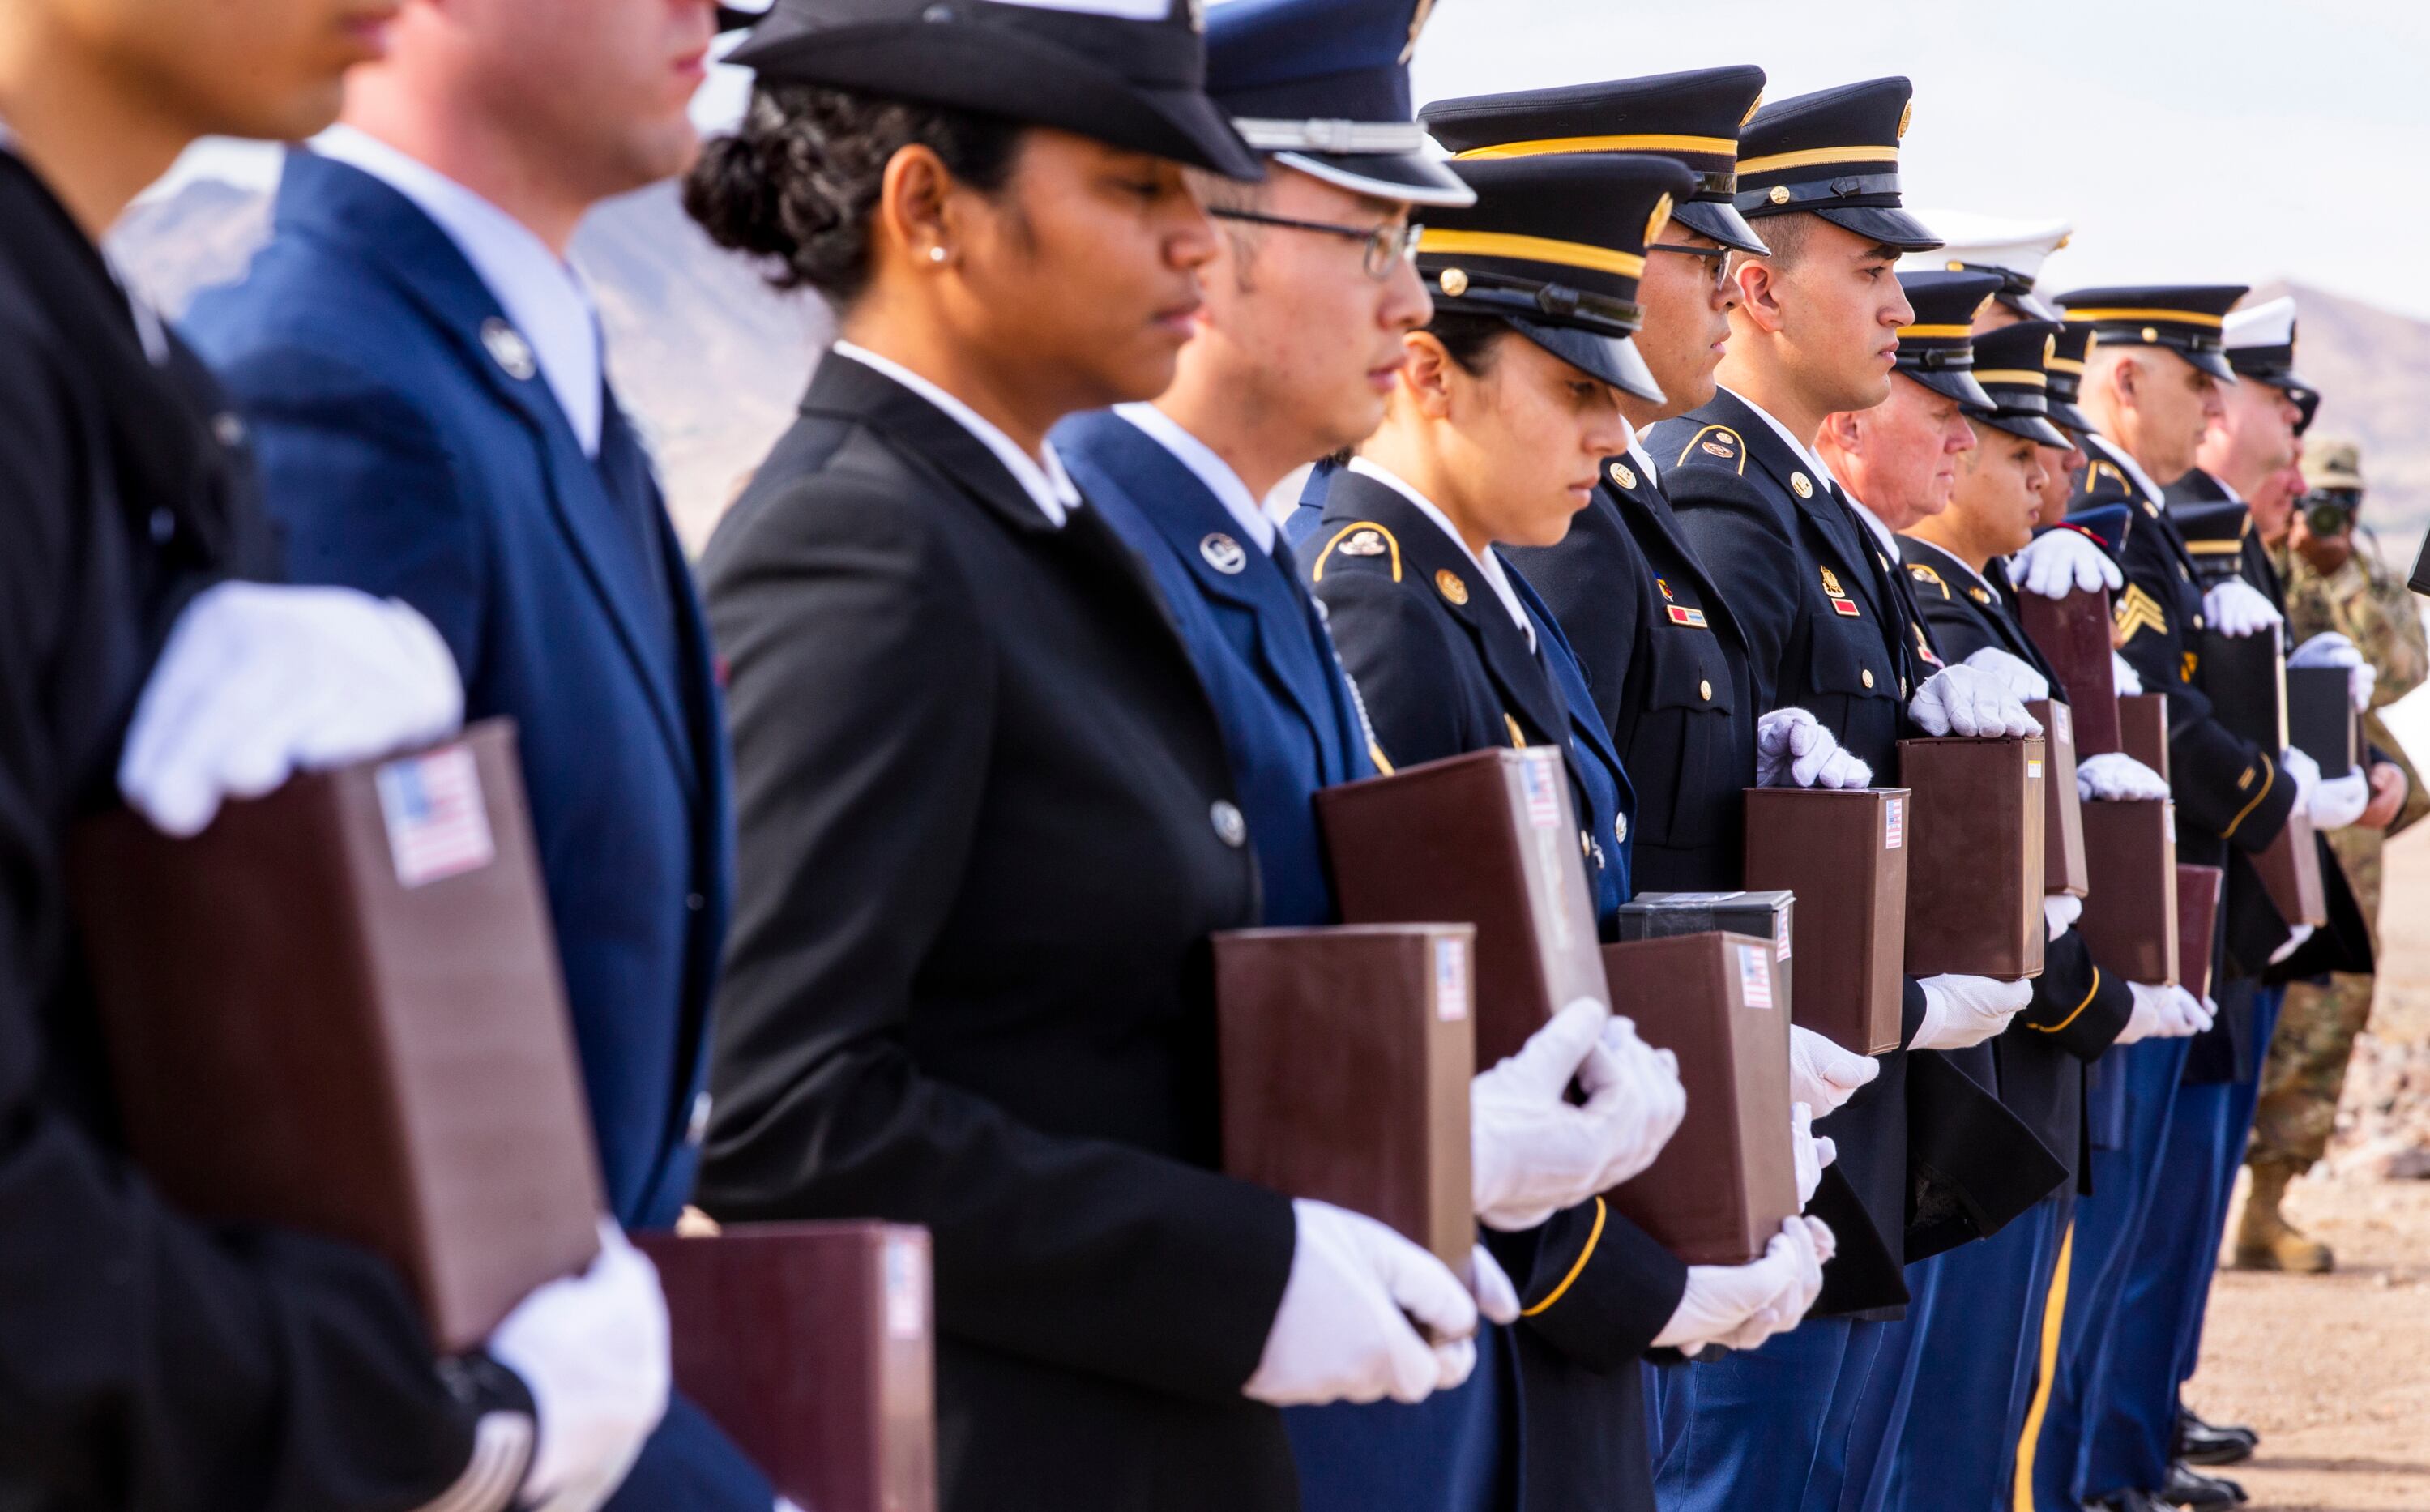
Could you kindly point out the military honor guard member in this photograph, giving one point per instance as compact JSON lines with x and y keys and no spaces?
{"x":1828,"y":630}
{"x":1504,"y":416}
{"x":423,"y":376}
{"x":1308,"y":300}
{"x":2011,"y":250}
{"x":988,"y":817}
{"x":148,"y":1359}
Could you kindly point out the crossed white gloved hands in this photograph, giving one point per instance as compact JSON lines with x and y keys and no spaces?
{"x":1344,"y":1330}
{"x":2330,"y":803}
{"x":1532,"y":1152}
{"x":1964,"y":700}
{"x":2236,"y":609}
{"x":1738,"y":1306}
{"x":2330,"y":649}
{"x":258,"y":683}
{"x":1959,"y":1011}
{"x":1823,"y":1076}
{"x":1810,"y":1152}
{"x":2127,"y":681}
{"x":2058,"y":562}
{"x":2164,"y":1013}
{"x":1793,"y":750}
{"x":593,"y":1350}
{"x":2114,"y":775}
{"x":2060,"y":914}
{"x":2014,"y":673}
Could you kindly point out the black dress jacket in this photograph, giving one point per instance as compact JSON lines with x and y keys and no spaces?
{"x":147,"y":1361}
{"x":987,"y":828}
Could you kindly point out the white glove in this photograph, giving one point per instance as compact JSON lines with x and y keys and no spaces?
{"x":2296,"y":935}
{"x":1966,"y":701}
{"x":1738,"y":1306}
{"x":2058,"y":562}
{"x":592,"y":1350}
{"x":2164,"y":1013}
{"x":1532,"y":1152}
{"x":2235,"y":608}
{"x":2339,"y":801}
{"x":2122,"y":674}
{"x":1810,"y":1153}
{"x":1959,"y":1011}
{"x":2060,"y":914}
{"x":2114,"y":774}
{"x":258,"y":683}
{"x":2298,"y":764}
{"x":1792,"y":749}
{"x":1823,"y":1076}
{"x":2023,"y":683}
{"x":1345,"y":1332}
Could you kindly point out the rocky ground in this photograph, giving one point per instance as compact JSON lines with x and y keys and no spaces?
{"x":2335,"y":1370}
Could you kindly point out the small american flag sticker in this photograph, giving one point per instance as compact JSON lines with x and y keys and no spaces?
{"x":1537,"y":774}
{"x":1755,"y":976}
{"x":437,"y":824}
{"x":1893,"y":825}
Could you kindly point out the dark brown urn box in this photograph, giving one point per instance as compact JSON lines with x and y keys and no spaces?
{"x":2290,"y":871}
{"x":2072,"y":634}
{"x":1345,"y":1057}
{"x":1721,"y":1187}
{"x":1486,"y":839}
{"x":2144,"y":729}
{"x":2198,"y":894}
{"x":338,"y":1010}
{"x":2130,"y":916}
{"x":813,"y":1346}
{"x":2062,"y":820}
{"x":1765,"y":915}
{"x":1844,"y":853}
{"x":2245,"y":677}
{"x":1974,"y":869}
{"x":2320,"y":719}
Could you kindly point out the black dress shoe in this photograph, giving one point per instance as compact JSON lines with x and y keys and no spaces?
{"x":2190,"y":1487}
{"x":2124,"y":1501}
{"x":2202,"y":1443}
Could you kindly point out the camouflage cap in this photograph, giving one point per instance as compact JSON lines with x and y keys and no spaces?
{"x":2333,"y":462}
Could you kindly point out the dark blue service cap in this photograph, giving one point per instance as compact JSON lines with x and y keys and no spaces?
{"x":1555,"y":246}
{"x":2008,"y":365}
{"x":2065,"y":367}
{"x":1322,"y":86}
{"x":1693,"y":117}
{"x":1834,"y":153}
{"x":1938,"y":349}
{"x":1131,"y":73}
{"x":2189,"y":318}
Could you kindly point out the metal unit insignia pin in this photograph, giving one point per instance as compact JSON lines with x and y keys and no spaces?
{"x":1622,"y":475}
{"x":1801,"y":485}
{"x":509,"y":350}
{"x":1448,"y":584}
{"x":1223,"y":554}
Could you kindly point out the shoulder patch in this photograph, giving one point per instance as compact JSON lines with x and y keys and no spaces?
{"x":1718,"y":442}
{"x":1360,"y":538}
{"x":1923,"y":573}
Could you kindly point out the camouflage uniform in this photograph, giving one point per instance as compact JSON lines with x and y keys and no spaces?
{"x":2306,"y":1068}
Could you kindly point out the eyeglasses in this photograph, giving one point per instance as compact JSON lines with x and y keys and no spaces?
{"x":1719,"y":257}
{"x":1389,"y":246}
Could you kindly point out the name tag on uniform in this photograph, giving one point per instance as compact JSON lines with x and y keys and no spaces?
{"x":1681,"y":614}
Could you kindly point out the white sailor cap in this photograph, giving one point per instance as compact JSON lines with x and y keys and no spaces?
{"x":1994,"y":243}
{"x":2261,"y":345}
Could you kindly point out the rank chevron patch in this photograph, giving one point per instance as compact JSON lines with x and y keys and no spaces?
{"x":2136,"y":611}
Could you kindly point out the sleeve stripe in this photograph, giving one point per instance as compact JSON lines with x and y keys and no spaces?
{"x":1594,"y":1237}
{"x":2268,"y":779}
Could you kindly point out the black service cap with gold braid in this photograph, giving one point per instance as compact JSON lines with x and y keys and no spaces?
{"x":1693,"y":117}
{"x":2008,"y":365}
{"x":1834,"y":153}
{"x":2189,"y":318}
{"x":1938,"y":349}
{"x":2064,"y":366}
{"x":1555,"y":246}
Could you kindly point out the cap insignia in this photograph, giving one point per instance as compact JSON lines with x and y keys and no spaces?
{"x":2049,"y":348}
{"x":1622,"y":475}
{"x":1660,"y":218}
{"x":1907,"y":118}
{"x":1223,"y":554}
{"x":2151,"y":333}
{"x":1454,"y":281}
{"x":1365,"y":544}
{"x":1779,"y":194}
{"x":1447,"y":583}
{"x":1801,"y":485}
{"x":1750,"y":111}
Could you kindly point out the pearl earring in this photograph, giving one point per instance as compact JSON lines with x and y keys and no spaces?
{"x":936,"y":253}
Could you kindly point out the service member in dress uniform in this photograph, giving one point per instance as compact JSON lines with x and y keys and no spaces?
{"x":2011,"y":250}
{"x":1308,"y":301}
{"x":147,"y":1359}
{"x":987,"y":818}
{"x":1980,"y":1350}
{"x":1503,"y":419}
{"x":1828,"y":630}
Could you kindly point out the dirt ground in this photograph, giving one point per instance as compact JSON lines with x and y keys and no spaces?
{"x":2335,"y":1370}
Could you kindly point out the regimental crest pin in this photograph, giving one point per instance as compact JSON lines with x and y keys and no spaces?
{"x":508,"y":350}
{"x":1664,"y":584}
{"x":1801,"y":485}
{"x":1831,"y":583}
{"x":1448,"y":584}
{"x":1223,"y":554}
{"x":1364,"y":543}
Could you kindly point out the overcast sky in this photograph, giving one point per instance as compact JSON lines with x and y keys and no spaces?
{"x":2230,"y":141}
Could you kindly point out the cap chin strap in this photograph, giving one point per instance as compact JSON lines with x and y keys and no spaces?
{"x":1340,"y":137}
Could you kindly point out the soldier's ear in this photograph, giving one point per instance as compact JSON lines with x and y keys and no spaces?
{"x":1760,"y":292}
{"x":1429,"y":374}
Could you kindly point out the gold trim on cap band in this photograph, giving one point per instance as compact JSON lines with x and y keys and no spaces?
{"x":2025,"y":377}
{"x":1532,"y":249}
{"x":2183,"y":317}
{"x":1644,"y":142}
{"x":1922,"y":333}
{"x":2060,"y":364}
{"x":1816,"y":158}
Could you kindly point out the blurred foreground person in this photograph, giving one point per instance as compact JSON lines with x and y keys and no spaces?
{"x":147,"y":1361}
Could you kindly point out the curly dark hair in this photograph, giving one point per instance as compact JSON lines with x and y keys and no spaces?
{"x":797,"y":182}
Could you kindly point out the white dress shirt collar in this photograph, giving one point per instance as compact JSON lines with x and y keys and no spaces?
{"x":1978,"y":579}
{"x":2133,"y":468}
{"x":1041,"y":476}
{"x":1802,"y":449}
{"x":1645,"y":468}
{"x":540,"y":293}
{"x":1888,"y":537}
{"x":1207,"y":468}
{"x":1489,"y":564}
